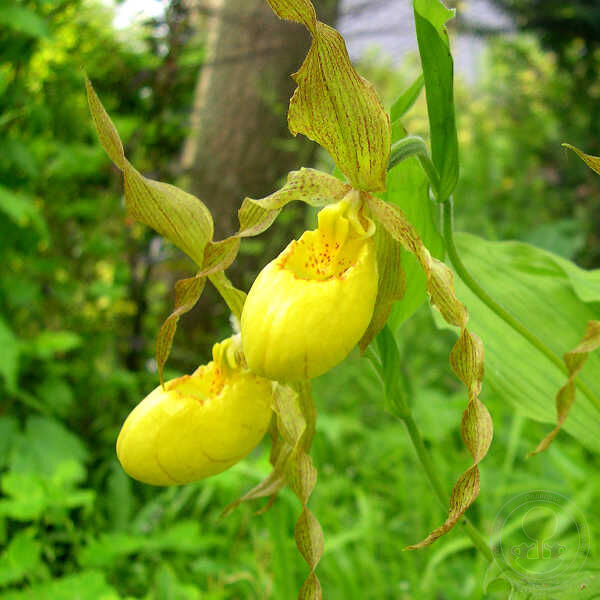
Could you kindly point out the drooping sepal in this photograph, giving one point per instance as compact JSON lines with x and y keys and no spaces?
{"x":466,"y":359}
{"x":175,"y":214}
{"x":187,"y":294}
{"x":391,"y":284}
{"x":336,"y":107}
{"x":292,"y":433}
{"x":574,"y":361}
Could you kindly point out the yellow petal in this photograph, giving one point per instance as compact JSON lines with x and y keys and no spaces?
{"x":309,"y":307}
{"x":196,"y":426}
{"x":334,"y":106}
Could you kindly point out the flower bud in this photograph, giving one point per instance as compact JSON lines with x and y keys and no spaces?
{"x":197,"y":425}
{"x":309,"y":307}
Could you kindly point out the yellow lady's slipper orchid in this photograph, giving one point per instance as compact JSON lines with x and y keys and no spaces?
{"x":309,"y":307}
{"x":197,"y":425}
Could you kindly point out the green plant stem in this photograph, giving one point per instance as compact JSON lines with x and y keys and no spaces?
{"x":461,"y":270}
{"x":424,"y":457}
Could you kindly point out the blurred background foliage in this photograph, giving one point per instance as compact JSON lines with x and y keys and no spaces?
{"x":83,"y":292}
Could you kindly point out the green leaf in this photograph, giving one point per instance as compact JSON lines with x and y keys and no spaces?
{"x":404,"y":102}
{"x":22,"y":19}
{"x":551,"y":297}
{"x":20,"y":559}
{"x":118,"y":499}
{"x":44,"y":446}
{"x":87,"y":585}
{"x":9,"y":429}
{"x":56,"y":395}
{"x":438,"y":69}
{"x":413,"y":145}
{"x":9,"y":357}
{"x":49,"y":343}
{"x":407,"y":188}
{"x":20,"y":209}
{"x":109,"y":548}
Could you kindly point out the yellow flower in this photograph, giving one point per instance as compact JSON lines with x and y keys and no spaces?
{"x":197,"y":425}
{"x":310,"y":306}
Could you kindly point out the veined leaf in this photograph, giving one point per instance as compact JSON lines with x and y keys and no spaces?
{"x":405,"y":101}
{"x":550,"y":296}
{"x":438,"y":71}
{"x":336,"y":107}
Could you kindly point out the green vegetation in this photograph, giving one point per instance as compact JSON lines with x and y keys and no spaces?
{"x":82,"y":297}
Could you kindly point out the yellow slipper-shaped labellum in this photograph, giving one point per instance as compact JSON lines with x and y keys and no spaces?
{"x":198,"y":425}
{"x":310,"y":306}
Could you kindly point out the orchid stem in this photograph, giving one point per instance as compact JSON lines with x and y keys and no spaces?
{"x":469,"y":281}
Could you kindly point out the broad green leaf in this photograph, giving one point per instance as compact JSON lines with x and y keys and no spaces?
{"x":50,"y":343}
{"x":20,"y":559}
{"x":466,"y":359}
{"x":56,"y":395}
{"x":404,"y":102}
{"x":44,"y":446}
{"x":552,"y":298}
{"x":109,"y":548}
{"x":438,"y":69}
{"x":580,"y":583}
{"x":574,"y":360}
{"x":407,"y":188}
{"x":21,"y":210}
{"x":87,"y":585}
{"x":22,"y":19}
{"x":336,"y":107}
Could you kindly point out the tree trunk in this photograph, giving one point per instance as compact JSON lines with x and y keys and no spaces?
{"x":239,"y":144}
